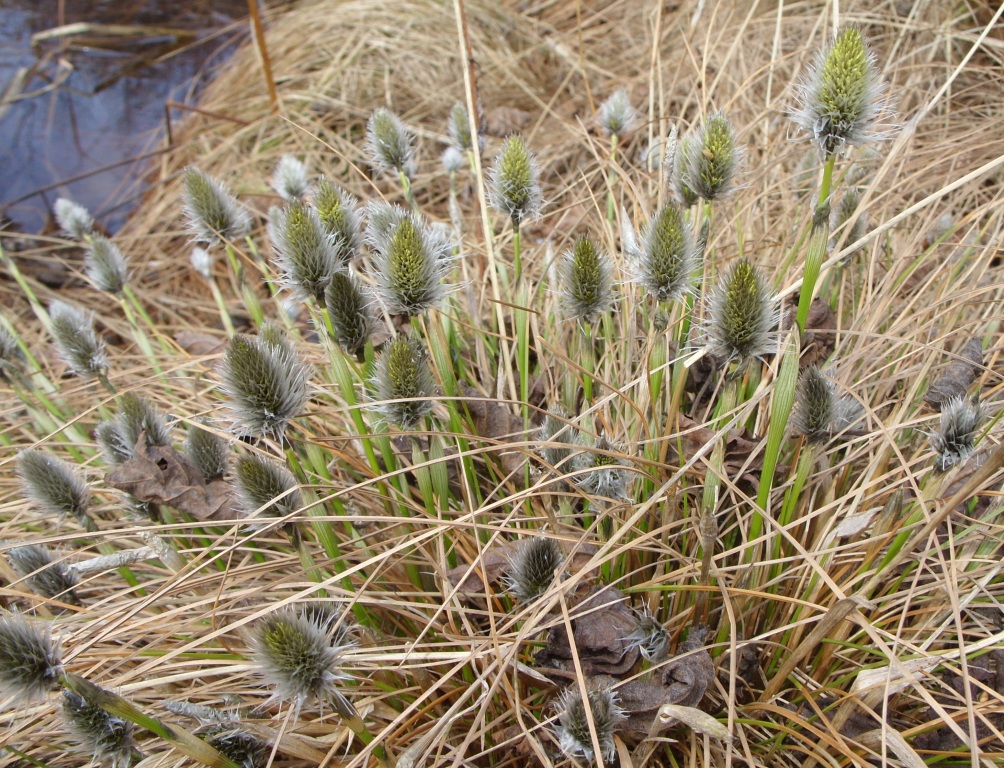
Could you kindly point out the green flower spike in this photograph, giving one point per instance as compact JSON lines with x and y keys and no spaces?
{"x":574,"y":732}
{"x":308,"y":255}
{"x":841,"y":96}
{"x":403,"y":386}
{"x":532,"y":569}
{"x":709,"y":161}
{"x":213,"y":214}
{"x":587,"y":286}
{"x":666,"y":260}
{"x":742,"y":316}
{"x":513,"y":185}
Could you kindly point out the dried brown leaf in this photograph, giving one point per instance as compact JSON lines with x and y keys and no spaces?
{"x":957,"y":376}
{"x":494,"y":422}
{"x":161,"y":475}
{"x":601,"y":623}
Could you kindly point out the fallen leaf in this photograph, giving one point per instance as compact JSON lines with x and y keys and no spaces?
{"x":499,"y":426}
{"x":161,"y":475}
{"x":199,"y":344}
{"x":694,"y":719}
{"x":957,"y":376}
{"x":601,"y":623}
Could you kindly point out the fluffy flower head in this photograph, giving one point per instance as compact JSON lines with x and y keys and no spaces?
{"x":402,"y":383}
{"x":513,"y":182}
{"x":213,"y":213}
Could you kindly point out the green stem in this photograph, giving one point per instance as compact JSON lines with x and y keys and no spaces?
{"x":818,"y":239}
{"x":185,"y":742}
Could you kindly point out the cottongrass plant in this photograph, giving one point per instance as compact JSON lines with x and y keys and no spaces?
{"x":955,"y":439}
{"x":214,"y":215}
{"x":578,"y":726}
{"x":816,"y":554}
{"x":411,"y":258}
{"x":266,"y":383}
{"x":45,"y":575}
{"x":30,"y":660}
{"x":74,"y":220}
{"x":54,"y":486}
{"x":290,"y":180}
{"x":308,"y":255}
{"x":104,"y":738}
{"x":78,"y":343}
{"x":105,"y":265}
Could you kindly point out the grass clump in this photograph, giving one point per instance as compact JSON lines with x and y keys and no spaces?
{"x":653,"y":474}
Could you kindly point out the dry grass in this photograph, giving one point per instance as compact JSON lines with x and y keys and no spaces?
{"x":887,"y":652}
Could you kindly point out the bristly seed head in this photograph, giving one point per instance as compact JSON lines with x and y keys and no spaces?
{"x":74,"y":220}
{"x":955,"y":439}
{"x":586,"y":281}
{"x":117,"y":437}
{"x":339,"y":214}
{"x":299,"y":657}
{"x":402,"y":385}
{"x":11,"y":356}
{"x":266,"y":382}
{"x":650,"y":637}
{"x":348,"y":305}
{"x":265,"y":488}
{"x":213,"y":214}
{"x":105,"y":265}
{"x":558,"y":441}
{"x":207,"y":450}
{"x":742,"y":316}
{"x":460,"y":131}
{"x":411,"y":259}
{"x":666,"y":260}
{"x":573,"y":730}
{"x":53,"y":485}
{"x":709,"y":163}
{"x":513,"y":182}
{"x":44,"y":575}
{"x":241,"y":746}
{"x":105,"y":738}
{"x":308,"y":255}
{"x":841,"y":96}
{"x":30,"y":663}
{"x":290,"y":179}
{"x":605,"y":475}
{"x":533,"y":568}
{"x":76,"y":341}
{"x":390,"y":143}
{"x":616,"y":116}
{"x":847,"y":208}
{"x":814,"y":404}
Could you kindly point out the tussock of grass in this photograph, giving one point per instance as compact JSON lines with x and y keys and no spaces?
{"x":853,"y":607}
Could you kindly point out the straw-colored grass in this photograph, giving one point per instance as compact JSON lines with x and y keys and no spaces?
{"x":881,"y":653}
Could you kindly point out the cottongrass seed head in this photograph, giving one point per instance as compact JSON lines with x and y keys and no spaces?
{"x":390,"y":143}
{"x":299,"y":657}
{"x":11,"y":355}
{"x":742,"y":316}
{"x":290,"y":179}
{"x":514,"y":182}
{"x":841,"y":96}
{"x":106,"y":738}
{"x":213,"y":214}
{"x":573,"y":730}
{"x":265,"y":488}
{"x":819,"y":413}
{"x":348,"y":306}
{"x":265,"y":381}
{"x":557,"y":441}
{"x":206,"y":450}
{"x":339,"y":214}
{"x":650,"y":637}
{"x":533,"y":568}
{"x":586,"y":281}
{"x":603,"y":471}
{"x":74,"y":220}
{"x":402,"y":387}
{"x":666,"y":259}
{"x":55,"y":486}
{"x":105,"y":265}
{"x":30,"y":663}
{"x":616,"y":116}
{"x":710,"y":161}
{"x":955,"y":439}
{"x":459,"y":128}
{"x":51,"y":578}
{"x":76,"y":340}
{"x":410,"y":259}
{"x":134,"y":418}
{"x":240,"y":745}
{"x":307,"y":254}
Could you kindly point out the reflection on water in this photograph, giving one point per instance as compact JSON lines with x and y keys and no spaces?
{"x":78,"y":103}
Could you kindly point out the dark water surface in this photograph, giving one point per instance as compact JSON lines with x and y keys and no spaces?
{"x":75,"y":104}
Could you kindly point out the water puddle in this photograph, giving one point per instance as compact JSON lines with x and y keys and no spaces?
{"x":83,"y":88}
